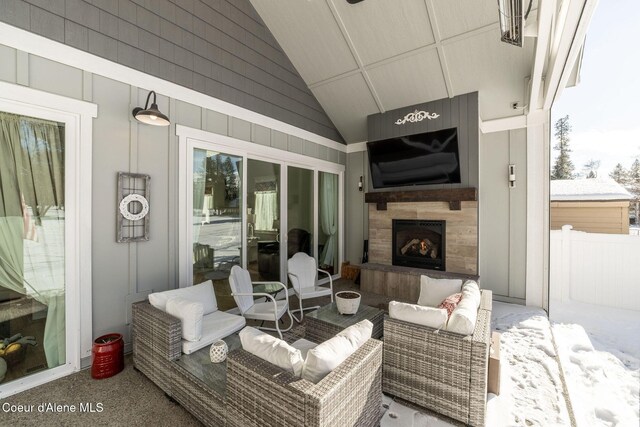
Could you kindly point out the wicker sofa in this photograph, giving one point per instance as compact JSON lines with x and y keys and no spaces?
{"x":247,"y":391}
{"x":439,"y":370}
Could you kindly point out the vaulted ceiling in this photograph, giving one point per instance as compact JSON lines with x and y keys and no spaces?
{"x":378,"y":55}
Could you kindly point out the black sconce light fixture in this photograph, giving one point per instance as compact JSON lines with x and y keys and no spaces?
{"x":360,"y":184}
{"x":151,"y":115}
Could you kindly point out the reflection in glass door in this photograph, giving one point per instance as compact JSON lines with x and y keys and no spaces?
{"x":300,"y":213}
{"x":328,"y":222}
{"x":217,"y":220}
{"x":32,"y":246}
{"x":263,"y":220}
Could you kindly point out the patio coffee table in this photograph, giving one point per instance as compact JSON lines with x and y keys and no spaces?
{"x":325,"y":322}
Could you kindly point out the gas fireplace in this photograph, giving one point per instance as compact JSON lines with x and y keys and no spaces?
{"x":419,"y":243}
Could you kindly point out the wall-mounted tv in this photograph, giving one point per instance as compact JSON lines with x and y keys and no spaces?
{"x":420,"y":159}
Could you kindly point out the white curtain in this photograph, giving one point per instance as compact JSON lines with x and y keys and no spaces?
{"x":32,"y":256}
{"x":329,"y":216}
{"x":266,"y":209}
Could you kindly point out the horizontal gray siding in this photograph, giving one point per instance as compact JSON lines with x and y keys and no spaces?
{"x":217,"y":47}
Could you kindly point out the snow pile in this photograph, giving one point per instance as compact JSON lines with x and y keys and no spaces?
{"x":531,"y":389}
{"x":600,"y":358}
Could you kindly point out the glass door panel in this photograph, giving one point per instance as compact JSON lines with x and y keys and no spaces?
{"x":299,"y":211}
{"x":263,"y":220}
{"x":217,"y":220}
{"x":328,"y":222}
{"x":32,"y":246}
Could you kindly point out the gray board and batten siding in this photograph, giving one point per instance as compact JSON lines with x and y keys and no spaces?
{"x":220,"y":48}
{"x":460,"y":112}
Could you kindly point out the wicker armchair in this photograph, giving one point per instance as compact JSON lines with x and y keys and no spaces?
{"x":439,"y":370}
{"x":261,"y":394}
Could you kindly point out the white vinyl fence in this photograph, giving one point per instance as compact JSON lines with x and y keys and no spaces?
{"x":600,"y":269}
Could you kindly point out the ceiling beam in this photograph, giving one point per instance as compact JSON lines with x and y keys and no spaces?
{"x":569,"y":42}
{"x":545,"y":17}
{"x":356,"y":56}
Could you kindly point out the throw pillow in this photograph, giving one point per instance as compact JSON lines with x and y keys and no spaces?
{"x":357,"y":334}
{"x":271,"y":349}
{"x":202,"y":293}
{"x":418,"y":314}
{"x":450,"y":303}
{"x":433,"y":291}
{"x":326,"y":357}
{"x":463,"y":318}
{"x":190,"y":315}
{"x":473,"y":290}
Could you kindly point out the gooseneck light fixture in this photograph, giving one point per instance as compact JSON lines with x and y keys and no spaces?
{"x":151,"y":115}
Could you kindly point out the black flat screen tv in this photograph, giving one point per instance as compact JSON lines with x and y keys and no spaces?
{"x":420,"y":159}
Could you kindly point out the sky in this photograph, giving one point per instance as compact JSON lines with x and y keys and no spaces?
{"x":604,"y":108}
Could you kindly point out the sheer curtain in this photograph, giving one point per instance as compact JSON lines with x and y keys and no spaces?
{"x":329,"y":215}
{"x":32,"y":220}
{"x":266,"y":209}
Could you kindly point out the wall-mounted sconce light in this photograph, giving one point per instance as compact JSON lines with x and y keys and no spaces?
{"x":151,"y":115}
{"x":360,"y":183}
{"x":512,"y":176}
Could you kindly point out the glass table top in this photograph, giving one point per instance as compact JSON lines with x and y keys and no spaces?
{"x":329,"y":314}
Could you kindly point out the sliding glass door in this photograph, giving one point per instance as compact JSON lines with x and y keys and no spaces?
{"x":32,"y":246}
{"x":328,"y":218}
{"x":300,"y":212}
{"x":216,"y":219}
{"x":263,"y":220}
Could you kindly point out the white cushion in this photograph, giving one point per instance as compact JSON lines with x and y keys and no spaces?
{"x":304,"y":346}
{"x":434,"y":291}
{"x":418,"y":314}
{"x":463,"y":318}
{"x":271,"y":349}
{"x":202,"y":293}
{"x":473,"y":290}
{"x":215,"y":326}
{"x":326,"y":357}
{"x":190,"y":314}
{"x":357,"y":334}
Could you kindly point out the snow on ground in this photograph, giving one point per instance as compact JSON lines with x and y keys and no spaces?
{"x":531,"y":391}
{"x":599,"y":354}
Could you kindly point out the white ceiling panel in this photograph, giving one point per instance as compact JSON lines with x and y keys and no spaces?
{"x":457,"y":17}
{"x":381,"y":29}
{"x":496,"y":70}
{"x":410,"y":80}
{"x":348,"y":102}
{"x":310,"y":35}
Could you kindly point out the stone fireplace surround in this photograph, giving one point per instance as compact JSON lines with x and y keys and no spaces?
{"x":458,"y":207}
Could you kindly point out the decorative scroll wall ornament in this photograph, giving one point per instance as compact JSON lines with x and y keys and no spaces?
{"x":132,"y":223}
{"x":417,"y":116}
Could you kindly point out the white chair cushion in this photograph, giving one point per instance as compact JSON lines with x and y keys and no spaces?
{"x":271,"y":349}
{"x":264,"y":310}
{"x":418,"y":314}
{"x":357,"y":334}
{"x":215,"y":326}
{"x":202,"y":293}
{"x":190,"y":315}
{"x":463,"y":318}
{"x":434,"y":291}
{"x":326,"y":357}
{"x":473,"y":291}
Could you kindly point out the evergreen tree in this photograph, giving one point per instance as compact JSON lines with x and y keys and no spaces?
{"x":619,"y":174}
{"x":633,"y":185}
{"x":591,"y":168}
{"x":563,"y":168}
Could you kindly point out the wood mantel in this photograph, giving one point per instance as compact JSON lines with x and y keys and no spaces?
{"x":452,"y":195}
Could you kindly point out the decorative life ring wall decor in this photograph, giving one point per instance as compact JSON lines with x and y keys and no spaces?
{"x":132,"y":223}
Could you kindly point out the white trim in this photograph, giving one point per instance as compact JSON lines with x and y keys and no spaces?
{"x":55,"y":51}
{"x":357,"y":147}
{"x":545,"y":17}
{"x":77,"y":117}
{"x":499,"y":125}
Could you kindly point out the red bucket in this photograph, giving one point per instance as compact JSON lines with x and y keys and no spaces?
{"x":107,"y":356}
